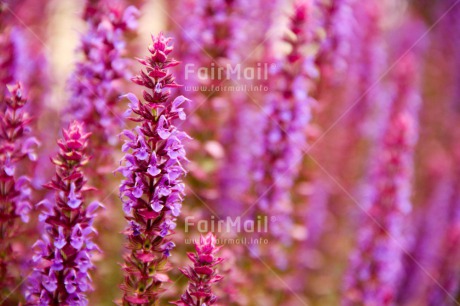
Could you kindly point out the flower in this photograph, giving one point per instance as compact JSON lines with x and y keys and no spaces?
{"x":203,"y":273}
{"x":93,"y":84}
{"x":288,"y":112}
{"x":152,"y":190}
{"x":63,"y":254}
{"x":366,"y":97}
{"x":16,"y":145}
{"x":375,"y":264}
{"x":335,"y":51}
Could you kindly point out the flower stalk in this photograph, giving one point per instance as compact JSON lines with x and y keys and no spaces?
{"x":152,"y":191}
{"x":62,"y":257}
{"x":203,"y":274}
{"x":288,"y":112}
{"x":16,"y":145}
{"x":376,"y":263}
{"x":93,"y":85}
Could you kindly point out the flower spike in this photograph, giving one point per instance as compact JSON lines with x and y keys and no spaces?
{"x":152,"y":191}
{"x":62,"y":257}
{"x":203,"y":273}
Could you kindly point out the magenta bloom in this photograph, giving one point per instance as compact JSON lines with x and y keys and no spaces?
{"x":375,"y":266}
{"x":339,"y":22}
{"x":7,"y":59}
{"x":203,"y":274}
{"x":93,"y":87}
{"x":16,"y":145}
{"x":153,"y":190}
{"x":288,"y":111}
{"x":62,"y":257}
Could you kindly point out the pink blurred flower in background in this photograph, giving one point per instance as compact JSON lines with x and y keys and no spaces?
{"x":16,"y":145}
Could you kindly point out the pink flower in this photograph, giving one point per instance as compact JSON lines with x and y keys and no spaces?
{"x":67,"y":242}
{"x":16,"y":145}
{"x":203,"y":274}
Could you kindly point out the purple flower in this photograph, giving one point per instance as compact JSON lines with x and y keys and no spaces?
{"x":152,"y":191}
{"x":366,"y":68}
{"x":135,"y":228}
{"x":339,"y":22}
{"x":152,"y":169}
{"x":239,"y":165}
{"x":70,"y":281}
{"x":433,"y":223}
{"x":69,"y":219}
{"x":93,"y":85}
{"x":138,"y":188}
{"x":162,"y":128}
{"x":375,"y":265}
{"x":83,"y":261}
{"x":288,"y":112}
{"x":73,"y":201}
{"x":203,"y":273}
{"x":77,"y":238}
{"x":76,"y":300}
{"x":167,"y":247}
{"x":141,"y":153}
{"x":16,"y":145}
{"x":49,"y":281}
{"x":22,"y":58}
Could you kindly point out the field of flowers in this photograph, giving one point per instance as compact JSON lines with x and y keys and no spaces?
{"x":230,"y":152}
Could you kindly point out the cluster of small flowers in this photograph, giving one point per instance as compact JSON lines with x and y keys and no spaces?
{"x":93,"y":87}
{"x":152,"y":190}
{"x":448,"y":280}
{"x":217,"y":26}
{"x":375,"y":265}
{"x":208,"y":29}
{"x":6,"y":60}
{"x":16,"y":145}
{"x":288,"y":112}
{"x":203,"y":274}
{"x":369,"y":63}
{"x":21,"y":59}
{"x":338,"y":22}
{"x":249,"y":24}
{"x":235,"y":179}
{"x":446,"y":256}
{"x":62,"y":257}
{"x":378,"y":259}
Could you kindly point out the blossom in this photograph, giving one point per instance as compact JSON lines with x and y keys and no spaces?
{"x":94,"y":94}
{"x":7,"y":61}
{"x":442,"y":292}
{"x":339,"y":25}
{"x":203,"y":274}
{"x":16,"y":145}
{"x":62,"y":257}
{"x":376,"y":262}
{"x":22,"y":58}
{"x":426,"y":244}
{"x":152,"y":190}
{"x":288,"y":112}
{"x":446,"y":249}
